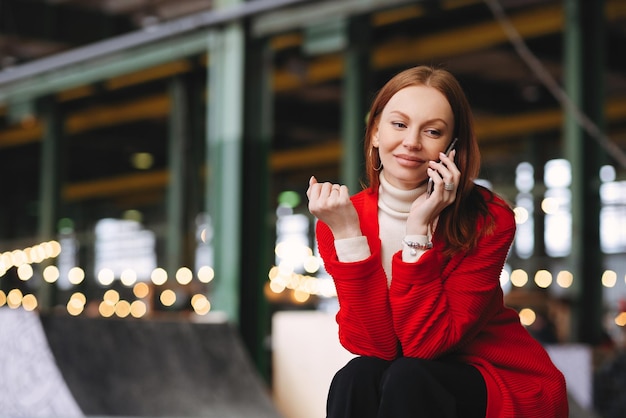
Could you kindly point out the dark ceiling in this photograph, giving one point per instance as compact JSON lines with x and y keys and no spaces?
{"x":31,"y":29}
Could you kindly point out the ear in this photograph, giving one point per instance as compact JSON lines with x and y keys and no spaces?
{"x":375,"y":139}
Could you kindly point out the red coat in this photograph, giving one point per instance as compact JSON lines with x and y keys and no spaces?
{"x":445,"y":307}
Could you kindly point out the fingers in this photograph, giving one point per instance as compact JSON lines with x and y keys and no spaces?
{"x":312,"y":183}
{"x":325,"y":191}
{"x":445,"y":174}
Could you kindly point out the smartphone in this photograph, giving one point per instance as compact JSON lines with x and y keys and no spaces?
{"x":431,"y":183}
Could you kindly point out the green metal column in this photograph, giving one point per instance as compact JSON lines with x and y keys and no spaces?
{"x":224,"y":152}
{"x":584,"y":66}
{"x":257,"y":225}
{"x":176,"y":196}
{"x":49,"y":189}
{"x":354,"y":102}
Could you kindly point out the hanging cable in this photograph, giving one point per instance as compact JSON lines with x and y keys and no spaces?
{"x":551,"y":84}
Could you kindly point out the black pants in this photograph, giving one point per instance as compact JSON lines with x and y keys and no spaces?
{"x":369,"y":387}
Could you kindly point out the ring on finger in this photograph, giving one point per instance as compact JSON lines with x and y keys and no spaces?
{"x":448,"y":186}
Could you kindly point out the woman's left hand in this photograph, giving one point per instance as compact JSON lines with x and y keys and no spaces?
{"x":446,"y":176}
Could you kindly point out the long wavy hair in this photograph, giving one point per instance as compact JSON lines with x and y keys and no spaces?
{"x":457,"y":223}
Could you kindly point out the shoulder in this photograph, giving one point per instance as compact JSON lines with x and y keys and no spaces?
{"x":498,"y":209}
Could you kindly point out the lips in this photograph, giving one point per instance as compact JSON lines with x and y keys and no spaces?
{"x":411,"y":160}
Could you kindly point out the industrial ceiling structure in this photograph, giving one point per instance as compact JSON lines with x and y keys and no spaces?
{"x":122,"y":116}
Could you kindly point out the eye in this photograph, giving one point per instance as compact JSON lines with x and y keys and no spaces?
{"x":398,"y":125}
{"x":433,"y":132}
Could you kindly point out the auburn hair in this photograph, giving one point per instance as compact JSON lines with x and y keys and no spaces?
{"x":457,"y":223}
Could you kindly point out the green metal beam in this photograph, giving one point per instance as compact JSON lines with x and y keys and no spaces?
{"x":103,"y":67}
{"x":224,"y":150}
{"x":305,"y":15}
{"x":255,"y":324}
{"x":49,"y":189}
{"x":176,"y":196}
{"x":584,"y":66}
{"x":354,"y":103}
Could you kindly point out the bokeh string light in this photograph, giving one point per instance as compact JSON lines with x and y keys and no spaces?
{"x":284,"y":277}
{"x":112,"y":304}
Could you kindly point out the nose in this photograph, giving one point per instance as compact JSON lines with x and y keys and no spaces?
{"x":412,"y":140}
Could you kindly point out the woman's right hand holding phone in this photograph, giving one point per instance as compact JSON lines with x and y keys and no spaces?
{"x":331,"y":204}
{"x":427,"y":208}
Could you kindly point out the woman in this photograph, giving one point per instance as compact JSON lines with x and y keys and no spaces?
{"x":417,"y":273}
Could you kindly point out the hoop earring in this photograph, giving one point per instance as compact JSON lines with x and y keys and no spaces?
{"x":380,"y":165}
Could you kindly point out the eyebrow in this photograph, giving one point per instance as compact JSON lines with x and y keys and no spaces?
{"x":407,"y":117}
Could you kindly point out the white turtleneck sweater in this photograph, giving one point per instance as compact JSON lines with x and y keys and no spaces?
{"x":393,"y":210}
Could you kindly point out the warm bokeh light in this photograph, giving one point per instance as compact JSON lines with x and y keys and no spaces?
{"x":311,"y":264}
{"x":76,"y":304}
{"x":200,"y":304}
{"x":141,"y":290}
{"x":25,"y":272}
{"x":609,"y":278}
{"x":327,"y":288}
{"x":158,"y":276}
{"x":54,"y":249}
{"x":285,"y":268}
{"x":142,"y":160}
{"x":273,"y":273}
{"x":168,"y":297}
{"x":138,"y":309}
{"x":521,"y":215}
{"x":28,"y":255}
{"x":106,"y":276}
{"x":550,"y":205}
{"x":184,"y":276}
{"x":79,"y":298}
{"x":5,"y":260}
{"x":543,"y":279}
{"x":565,"y":279}
{"x":128,"y":277}
{"x":519,"y":278}
{"x":76,"y":275}
{"x":51,"y":274}
{"x":527,"y":316}
{"x":14,"y":298}
{"x":300,"y":296}
{"x":111,"y":297}
{"x":292,"y":250}
{"x":276,"y":286}
{"x":122,"y":308}
{"x":3,"y":298}
{"x":106,"y":309}
{"x":206,"y":274}
{"x":18,"y":257}
{"x":29,"y":302}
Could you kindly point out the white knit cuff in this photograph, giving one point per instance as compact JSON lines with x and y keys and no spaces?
{"x":352,"y":249}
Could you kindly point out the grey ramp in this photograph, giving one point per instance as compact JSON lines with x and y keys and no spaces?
{"x":30,"y":382}
{"x":129,"y":367}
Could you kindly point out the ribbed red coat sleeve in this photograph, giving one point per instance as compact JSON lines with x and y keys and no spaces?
{"x":364,"y":317}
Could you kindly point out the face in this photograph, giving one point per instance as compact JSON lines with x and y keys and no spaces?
{"x":414,"y":127}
